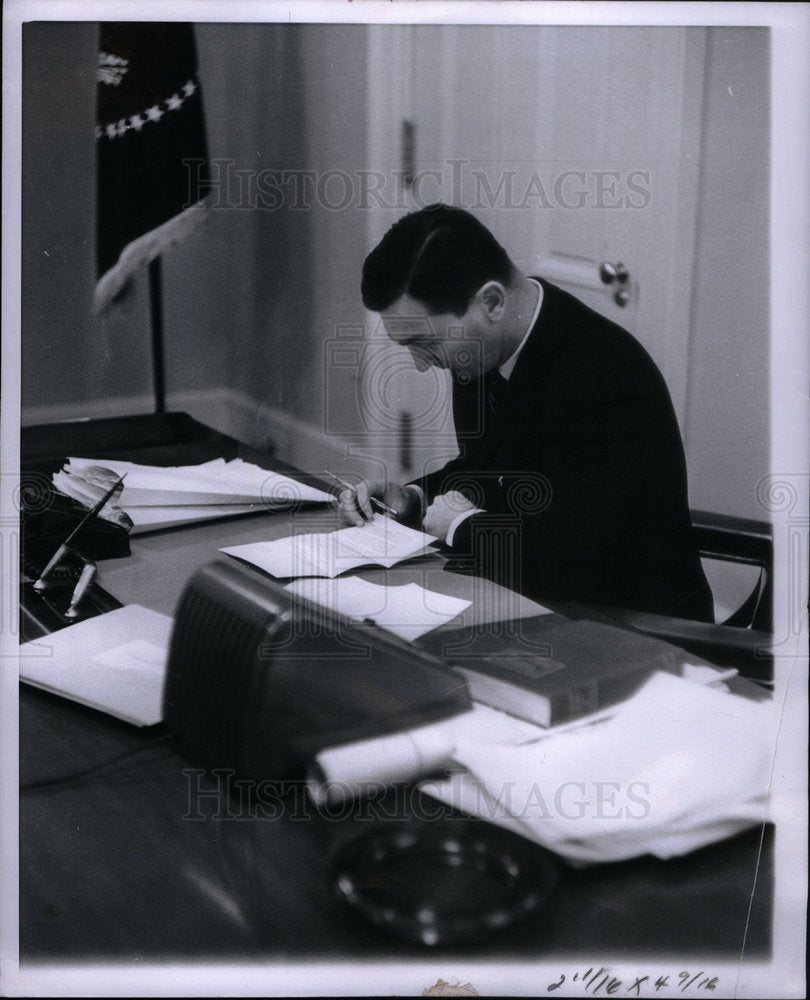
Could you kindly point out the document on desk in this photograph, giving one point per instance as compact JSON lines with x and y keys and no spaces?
{"x":408,"y":611}
{"x":381,"y":542}
{"x":115,"y":662}
{"x":154,"y":496}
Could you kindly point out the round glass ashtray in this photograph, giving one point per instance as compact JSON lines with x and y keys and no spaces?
{"x":444,"y":882}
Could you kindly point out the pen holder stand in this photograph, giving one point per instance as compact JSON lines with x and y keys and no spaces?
{"x":45,"y":611}
{"x":45,"y":525}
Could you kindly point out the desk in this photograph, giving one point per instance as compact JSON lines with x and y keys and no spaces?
{"x":113,"y":869}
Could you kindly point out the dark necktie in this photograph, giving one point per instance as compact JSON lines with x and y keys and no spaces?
{"x":496,"y":391}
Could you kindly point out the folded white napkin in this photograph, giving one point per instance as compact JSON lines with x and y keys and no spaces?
{"x":677,"y":766}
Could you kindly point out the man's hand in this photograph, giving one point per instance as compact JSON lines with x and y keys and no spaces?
{"x":356,"y":507}
{"x":443,"y":511}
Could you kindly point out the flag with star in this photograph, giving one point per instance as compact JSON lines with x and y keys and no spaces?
{"x":151,"y":154}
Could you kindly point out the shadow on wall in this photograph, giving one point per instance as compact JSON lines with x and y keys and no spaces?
{"x":241,"y":296}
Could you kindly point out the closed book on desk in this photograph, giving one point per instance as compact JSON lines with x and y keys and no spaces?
{"x":550,"y":670}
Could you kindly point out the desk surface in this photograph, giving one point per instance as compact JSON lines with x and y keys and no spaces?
{"x":161,"y":563}
{"x":113,"y":868}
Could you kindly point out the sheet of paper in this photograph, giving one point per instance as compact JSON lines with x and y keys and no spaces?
{"x":381,"y":542}
{"x":407,"y":611}
{"x":114,"y":662}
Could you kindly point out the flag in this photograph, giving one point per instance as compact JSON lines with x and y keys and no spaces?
{"x":151,"y":154}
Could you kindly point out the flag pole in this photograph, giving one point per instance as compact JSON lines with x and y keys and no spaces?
{"x":156,"y":317}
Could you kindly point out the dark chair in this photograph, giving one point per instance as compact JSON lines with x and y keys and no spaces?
{"x":744,"y":638}
{"x":740,"y":540}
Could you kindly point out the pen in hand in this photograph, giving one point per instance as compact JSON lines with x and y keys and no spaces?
{"x":379,"y":503}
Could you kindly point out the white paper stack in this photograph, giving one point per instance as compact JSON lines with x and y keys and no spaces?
{"x":157,"y":497}
{"x":681,"y":764}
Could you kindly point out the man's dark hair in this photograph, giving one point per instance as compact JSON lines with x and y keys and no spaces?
{"x":440,"y":256}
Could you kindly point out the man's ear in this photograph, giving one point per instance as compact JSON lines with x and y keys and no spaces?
{"x":491,"y":297}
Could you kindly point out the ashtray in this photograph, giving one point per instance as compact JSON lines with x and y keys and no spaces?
{"x":445,"y":881}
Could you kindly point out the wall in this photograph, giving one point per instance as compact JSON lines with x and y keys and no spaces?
{"x":240,"y":294}
{"x":72,"y":362}
{"x":727,"y":428}
{"x":334,"y":63}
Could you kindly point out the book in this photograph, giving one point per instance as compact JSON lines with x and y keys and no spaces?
{"x":380,"y":542}
{"x":553,"y":669}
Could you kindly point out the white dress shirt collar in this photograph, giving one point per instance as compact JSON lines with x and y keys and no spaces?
{"x":508,"y":366}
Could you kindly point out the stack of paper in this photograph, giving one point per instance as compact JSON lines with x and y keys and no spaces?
{"x":381,"y":542}
{"x":156,"y":497}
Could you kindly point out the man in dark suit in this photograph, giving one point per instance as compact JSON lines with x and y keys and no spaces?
{"x":570,"y":483}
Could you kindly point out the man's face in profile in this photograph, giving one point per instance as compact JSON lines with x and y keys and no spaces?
{"x":439,"y":340}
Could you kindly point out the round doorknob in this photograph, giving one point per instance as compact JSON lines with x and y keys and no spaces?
{"x":613,"y":272}
{"x":621,"y":297}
